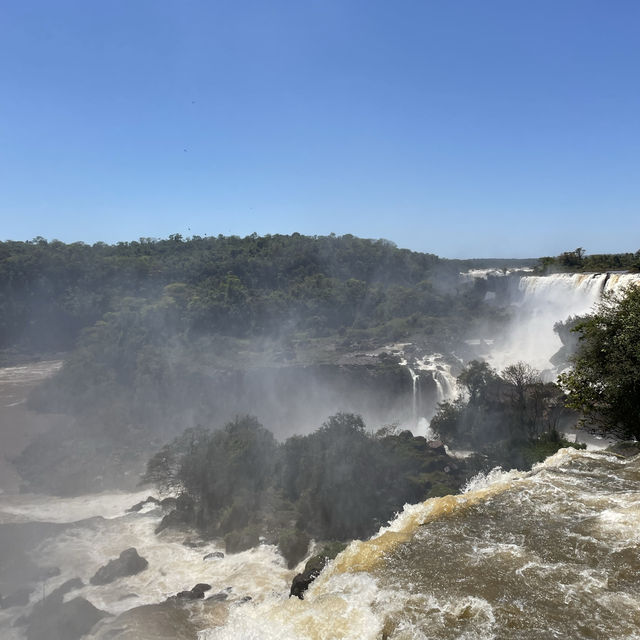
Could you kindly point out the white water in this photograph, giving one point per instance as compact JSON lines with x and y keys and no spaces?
{"x":439,"y":370}
{"x":539,"y":303}
{"x":486,"y":579}
{"x":370,"y":589}
{"x":85,"y":546}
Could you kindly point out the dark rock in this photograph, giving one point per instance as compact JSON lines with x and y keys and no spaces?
{"x":126,"y":596}
{"x":215,"y":554}
{"x":184,"y":512}
{"x":67,"y":621}
{"x":313,"y":567}
{"x":188,"y":595}
{"x":202,"y":586}
{"x":138,"y":506}
{"x":245,"y":599}
{"x":18,"y":598}
{"x":128,"y":564}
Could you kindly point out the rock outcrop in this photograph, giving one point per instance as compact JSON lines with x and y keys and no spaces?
{"x":128,"y":564}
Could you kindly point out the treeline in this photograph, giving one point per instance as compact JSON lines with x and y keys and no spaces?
{"x":257,"y":285}
{"x":338,"y":483}
{"x":579,"y":260}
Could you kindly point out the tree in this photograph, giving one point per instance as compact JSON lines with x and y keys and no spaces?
{"x":477,"y":378}
{"x":604,"y":384}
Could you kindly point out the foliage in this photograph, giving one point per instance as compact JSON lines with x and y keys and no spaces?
{"x":604,"y":384}
{"x":578,"y":260}
{"x":339,"y":482}
{"x":502,"y":414}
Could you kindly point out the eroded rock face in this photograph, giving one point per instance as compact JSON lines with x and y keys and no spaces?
{"x":128,"y":564}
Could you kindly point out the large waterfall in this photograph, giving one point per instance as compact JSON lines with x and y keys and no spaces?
{"x":539,"y":302}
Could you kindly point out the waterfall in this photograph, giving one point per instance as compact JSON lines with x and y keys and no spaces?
{"x":415,"y":381}
{"x":540,"y":302}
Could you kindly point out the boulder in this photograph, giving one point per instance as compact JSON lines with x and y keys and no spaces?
{"x":214,"y":555}
{"x":67,"y":621}
{"x":196,"y":593}
{"x":313,"y":567}
{"x":128,"y":564}
{"x":183,"y":514}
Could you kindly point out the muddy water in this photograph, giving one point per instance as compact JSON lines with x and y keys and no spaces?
{"x":554,"y":553}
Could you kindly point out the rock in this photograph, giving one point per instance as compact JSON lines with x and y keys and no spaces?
{"x":184,"y":512}
{"x":138,"y":506}
{"x":188,"y":595}
{"x":215,"y":554}
{"x":67,"y":621}
{"x":196,"y":593}
{"x":128,"y":564}
{"x":313,"y":567}
{"x":18,"y":598}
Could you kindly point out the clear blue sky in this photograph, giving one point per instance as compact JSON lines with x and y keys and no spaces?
{"x":459,"y":127}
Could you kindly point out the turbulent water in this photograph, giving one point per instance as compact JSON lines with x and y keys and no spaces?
{"x":551,"y":553}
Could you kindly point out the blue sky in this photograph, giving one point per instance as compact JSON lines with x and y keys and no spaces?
{"x":463,"y":128}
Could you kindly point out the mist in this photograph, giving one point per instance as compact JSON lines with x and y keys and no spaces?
{"x":233,"y":409}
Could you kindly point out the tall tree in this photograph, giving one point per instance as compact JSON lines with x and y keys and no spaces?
{"x":604,"y":384}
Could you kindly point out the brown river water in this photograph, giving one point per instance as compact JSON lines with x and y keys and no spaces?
{"x":551,"y":553}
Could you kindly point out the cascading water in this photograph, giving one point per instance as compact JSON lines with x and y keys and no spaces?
{"x":445,"y":385}
{"x":541,"y":301}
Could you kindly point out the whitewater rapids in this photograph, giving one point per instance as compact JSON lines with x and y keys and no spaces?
{"x":550,"y":553}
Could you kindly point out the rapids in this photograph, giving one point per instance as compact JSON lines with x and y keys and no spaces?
{"x":552,"y":553}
